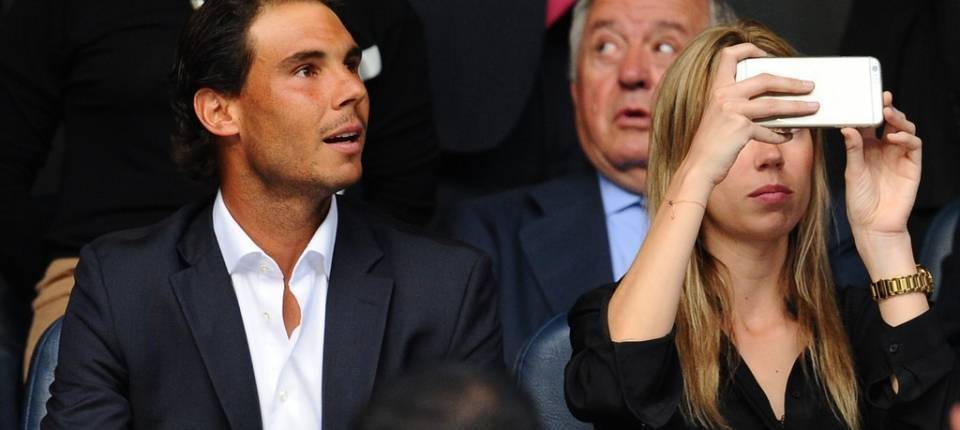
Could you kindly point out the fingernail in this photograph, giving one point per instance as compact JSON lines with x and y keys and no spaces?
{"x":813,"y":105}
{"x":808,"y":85}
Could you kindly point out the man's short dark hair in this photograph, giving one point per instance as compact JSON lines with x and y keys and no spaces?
{"x":450,"y":397}
{"x":214,"y":52}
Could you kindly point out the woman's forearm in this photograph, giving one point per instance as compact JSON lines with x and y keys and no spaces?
{"x":890,"y":256}
{"x":645,"y":303}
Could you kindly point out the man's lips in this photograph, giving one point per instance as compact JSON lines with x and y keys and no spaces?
{"x":348,"y":133}
{"x":638,"y":118}
{"x":772,"y":193}
{"x":346,"y":139}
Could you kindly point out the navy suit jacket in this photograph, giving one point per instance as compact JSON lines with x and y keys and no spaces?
{"x":548,"y":244}
{"x":153,"y":336}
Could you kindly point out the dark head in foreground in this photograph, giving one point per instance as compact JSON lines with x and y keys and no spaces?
{"x":449,"y":398}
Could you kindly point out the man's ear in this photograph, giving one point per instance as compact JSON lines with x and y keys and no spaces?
{"x":215,"y":112}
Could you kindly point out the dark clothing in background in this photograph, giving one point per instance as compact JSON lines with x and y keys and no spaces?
{"x":102,"y":70}
{"x":400,"y":154}
{"x":153,"y":336}
{"x":501,"y":97}
{"x":918,"y":45}
{"x":639,"y":384}
{"x":948,"y":300}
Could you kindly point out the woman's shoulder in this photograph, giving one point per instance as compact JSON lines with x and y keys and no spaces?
{"x":593,"y":300}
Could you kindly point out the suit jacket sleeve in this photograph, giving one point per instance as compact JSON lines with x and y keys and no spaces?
{"x":89,"y":389}
{"x":465,"y":223}
{"x":477,"y":336}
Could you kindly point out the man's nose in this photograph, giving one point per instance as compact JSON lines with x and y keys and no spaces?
{"x":350,"y":90}
{"x":635,"y":69}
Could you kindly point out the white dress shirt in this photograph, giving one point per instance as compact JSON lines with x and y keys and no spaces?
{"x":288,"y":371}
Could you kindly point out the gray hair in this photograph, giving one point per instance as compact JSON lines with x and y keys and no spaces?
{"x":721,"y":13}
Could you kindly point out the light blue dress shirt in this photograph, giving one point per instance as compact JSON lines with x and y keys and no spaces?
{"x":627,"y":224}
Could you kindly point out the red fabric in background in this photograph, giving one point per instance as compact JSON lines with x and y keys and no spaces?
{"x":556,"y":9}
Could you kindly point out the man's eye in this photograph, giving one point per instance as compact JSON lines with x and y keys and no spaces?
{"x":665,"y":48}
{"x":353,"y":65}
{"x":306,"y":71}
{"x":606,"y":48}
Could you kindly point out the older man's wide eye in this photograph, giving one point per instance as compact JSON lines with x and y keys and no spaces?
{"x":606,"y":48}
{"x":665,"y":48}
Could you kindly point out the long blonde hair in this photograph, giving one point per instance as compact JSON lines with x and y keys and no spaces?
{"x":707,"y":299}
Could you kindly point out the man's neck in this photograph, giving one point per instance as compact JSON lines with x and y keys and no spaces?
{"x":281,"y":224}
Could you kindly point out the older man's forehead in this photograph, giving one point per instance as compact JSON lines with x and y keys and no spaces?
{"x":685,"y":16}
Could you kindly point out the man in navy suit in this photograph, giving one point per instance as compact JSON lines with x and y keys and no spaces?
{"x":277,"y":304}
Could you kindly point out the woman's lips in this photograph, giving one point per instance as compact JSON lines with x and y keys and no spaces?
{"x":774,"y":193}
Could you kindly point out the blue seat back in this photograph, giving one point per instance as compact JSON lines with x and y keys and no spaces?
{"x":539,"y":372}
{"x":42,"y":366}
{"x":938,"y":242}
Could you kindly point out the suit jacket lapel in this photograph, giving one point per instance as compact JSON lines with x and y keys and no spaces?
{"x":357,"y":306}
{"x":567,"y":248}
{"x":205,"y":294}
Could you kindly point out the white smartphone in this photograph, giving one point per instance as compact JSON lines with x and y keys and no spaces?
{"x":849,"y":89}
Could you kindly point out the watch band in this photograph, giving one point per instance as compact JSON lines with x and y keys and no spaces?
{"x":922,"y":282}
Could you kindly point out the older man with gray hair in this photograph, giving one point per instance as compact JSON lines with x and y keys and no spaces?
{"x":554,"y":241}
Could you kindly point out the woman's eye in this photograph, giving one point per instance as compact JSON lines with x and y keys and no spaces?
{"x":787,"y":132}
{"x":665,"y":48}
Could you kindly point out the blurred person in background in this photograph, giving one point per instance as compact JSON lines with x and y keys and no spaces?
{"x":449,"y":398}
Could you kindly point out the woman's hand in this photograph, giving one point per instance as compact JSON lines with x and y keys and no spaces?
{"x":727,"y":123}
{"x":882,"y":174}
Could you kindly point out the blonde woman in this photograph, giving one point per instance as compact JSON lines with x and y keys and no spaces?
{"x":728,"y":317}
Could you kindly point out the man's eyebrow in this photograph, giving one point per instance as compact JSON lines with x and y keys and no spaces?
{"x":355,"y":53}
{"x":660,"y":25}
{"x":670,"y":25}
{"x":603,"y":24}
{"x":302,"y":56}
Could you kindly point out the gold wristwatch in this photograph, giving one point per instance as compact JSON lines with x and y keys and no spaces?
{"x":921,"y":282}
